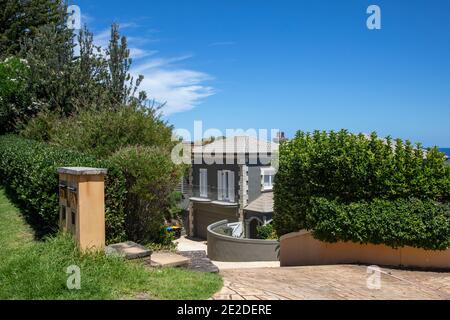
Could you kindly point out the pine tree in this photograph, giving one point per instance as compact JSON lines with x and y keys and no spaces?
{"x":91,"y":73}
{"x":20,"y":19}
{"x":50,"y":56}
{"x":120,"y":82}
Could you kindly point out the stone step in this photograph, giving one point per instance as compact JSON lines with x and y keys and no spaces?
{"x":199,"y":261}
{"x":128,"y":249}
{"x":168,"y":259}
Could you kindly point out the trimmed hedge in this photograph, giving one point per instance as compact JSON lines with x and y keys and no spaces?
{"x":397,"y":223}
{"x":345,"y":168}
{"x":28,"y":168}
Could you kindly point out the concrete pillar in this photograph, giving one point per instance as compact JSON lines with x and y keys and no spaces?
{"x":191,"y":219}
{"x":243,"y":190}
{"x":82,"y":205}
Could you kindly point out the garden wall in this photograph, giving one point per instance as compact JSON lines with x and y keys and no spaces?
{"x":226,"y":248}
{"x":300,"y":248}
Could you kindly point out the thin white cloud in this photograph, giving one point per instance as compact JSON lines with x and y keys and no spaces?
{"x":102,"y":38}
{"x":181,"y":89}
{"x":159,"y":62}
{"x":137,"y":53}
{"x":86,"y":19}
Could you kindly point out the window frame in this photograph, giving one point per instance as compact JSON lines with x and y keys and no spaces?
{"x":203,"y":182}
{"x":267,"y":172}
{"x":225,"y":186}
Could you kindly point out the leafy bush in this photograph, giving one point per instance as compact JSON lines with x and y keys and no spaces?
{"x":15,"y":100}
{"x":150,"y":174}
{"x":266,"y":232}
{"x":151,"y":178}
{"x":28,"y":168}
{"x":346,"y":168}
{"x":42,"y":127}
{"x":101,"y":133}
{"x":396,"y":223}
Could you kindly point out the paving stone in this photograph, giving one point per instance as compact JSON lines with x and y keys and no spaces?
{"x":226,"y":290}
{"x":332,"y":282}
{"x":249,"y":291}
{"x":266,"y":298}
{"x":168,"y":259}
{"x":128,"y":249}
{"x":198,"y":261}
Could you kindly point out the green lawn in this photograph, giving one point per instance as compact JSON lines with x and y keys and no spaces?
{"x":32,"y":269}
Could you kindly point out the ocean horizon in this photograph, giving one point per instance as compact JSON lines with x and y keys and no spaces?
{"x":445,"y":150}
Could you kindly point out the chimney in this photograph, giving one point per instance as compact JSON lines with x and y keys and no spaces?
{"x":279,"y":138}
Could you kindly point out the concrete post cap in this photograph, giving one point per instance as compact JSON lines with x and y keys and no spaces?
{"x":79,"y":171}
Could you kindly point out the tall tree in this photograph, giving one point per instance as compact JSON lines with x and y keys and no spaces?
{"x":50,"y":56}
{"x":120,"y":82}
{"x":91,"y":73}
{"x":20,"y":19}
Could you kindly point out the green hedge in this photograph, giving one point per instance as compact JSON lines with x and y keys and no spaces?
{"x":395,"y":223}
{"x":347,"y":168}
{"x":28,"y":168}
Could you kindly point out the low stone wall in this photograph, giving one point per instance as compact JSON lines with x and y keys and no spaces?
{"x":300,"y":248}
{"x":226,"y":248}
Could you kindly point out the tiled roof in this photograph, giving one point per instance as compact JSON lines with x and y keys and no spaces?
{"x":264,"y":203}
{"x":237,"y":144}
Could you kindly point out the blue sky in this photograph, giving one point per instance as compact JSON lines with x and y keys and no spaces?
{"x":291,"y":65}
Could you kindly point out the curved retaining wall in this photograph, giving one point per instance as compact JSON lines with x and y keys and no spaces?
{"x":226,"y":248}
{"x":300,"y":248}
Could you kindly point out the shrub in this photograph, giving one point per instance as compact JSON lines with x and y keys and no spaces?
{"x":42,"y":127}
{"x":102,"y":132}
{"x":346,"y":168}
{"x":15,"y":100}
{"x":151,"y":178}
{"x":28,"y":168}
{"x":266,"y":232}
{"x":395,"y":223}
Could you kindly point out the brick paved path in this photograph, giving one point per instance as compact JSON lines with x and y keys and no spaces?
{"x":331,"y":282}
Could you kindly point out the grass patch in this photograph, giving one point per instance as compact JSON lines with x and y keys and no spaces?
{"x":37,"y":269}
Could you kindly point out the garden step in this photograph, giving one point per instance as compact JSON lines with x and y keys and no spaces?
{"x":199,"y":261}
{"x":168,"y":259}
{"x":128,"y":249}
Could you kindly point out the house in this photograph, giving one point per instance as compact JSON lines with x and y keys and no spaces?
{"x":231,"y":179}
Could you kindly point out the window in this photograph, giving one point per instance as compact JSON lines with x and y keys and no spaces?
{"x":225,"y":185}
{"x":203,"y":183}
{"x":267,"y":181}
{"x":267,"y":178}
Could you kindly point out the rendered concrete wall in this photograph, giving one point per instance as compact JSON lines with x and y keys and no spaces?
{"x":205,"y":214}
{"x":225,"y":248}
{"x":254,"y":183}
{"x":300,"y":249}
